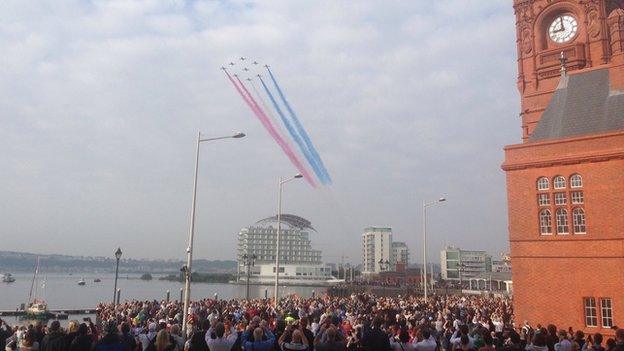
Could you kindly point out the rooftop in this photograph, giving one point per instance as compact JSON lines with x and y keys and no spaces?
{"x":582,"y":104}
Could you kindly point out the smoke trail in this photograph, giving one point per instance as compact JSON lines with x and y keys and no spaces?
{"x":269,"y":113}
{"x":300,"y":143}
{"x":269,"y":127}
{"x":326,"y":179}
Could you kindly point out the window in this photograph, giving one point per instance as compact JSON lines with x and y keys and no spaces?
{"x":543,"y":199}
{"x":559,"y":182}
{"x":590,"y":312}
{"x":542,"y":183}
{"x":576,"y":181}
{"x":545,"y":222}
{"x":577,"y":197}
{"x":578,"y":220}
{"x":560,"y":199}
{"x":562,"y":221}
{"x":606,"y":312}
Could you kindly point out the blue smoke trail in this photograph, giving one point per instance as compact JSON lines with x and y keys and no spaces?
{"x":293,"y":133}
{"x":325,"y":179}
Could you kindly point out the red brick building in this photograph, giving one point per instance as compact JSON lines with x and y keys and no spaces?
{"x":565,"y":181}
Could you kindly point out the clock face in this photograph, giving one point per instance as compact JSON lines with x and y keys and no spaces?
{"x":563,"y":29}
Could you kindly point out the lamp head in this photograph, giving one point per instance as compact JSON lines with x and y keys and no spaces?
{"x":238,"y":135}
{"x":442,"y":199}
{"x":118,"y":253}
{"x":298,"y":175}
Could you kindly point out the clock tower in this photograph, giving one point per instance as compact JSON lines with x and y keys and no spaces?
{"x":565,"y":180}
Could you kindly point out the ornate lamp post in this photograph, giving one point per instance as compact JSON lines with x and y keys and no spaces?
{"x":117,"y":257}
{"x":249,"y":261}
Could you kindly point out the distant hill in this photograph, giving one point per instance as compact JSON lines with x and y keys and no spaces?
{"x":25,"y":262}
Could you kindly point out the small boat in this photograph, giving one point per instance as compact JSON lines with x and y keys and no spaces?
{"x":38,"y":309}
{"x":7,"y":278}
{"x":97,"y":280}
{"x":81,"y":282}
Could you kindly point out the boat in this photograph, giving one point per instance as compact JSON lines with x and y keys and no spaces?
{"x":97,"y":280}
{"x":38,"y":309}
{"x":81,"y":282}
{"x":7,"y":278}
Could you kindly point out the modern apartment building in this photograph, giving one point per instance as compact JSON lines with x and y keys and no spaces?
{"x":457,"y":264}
{"x":400,"y":253}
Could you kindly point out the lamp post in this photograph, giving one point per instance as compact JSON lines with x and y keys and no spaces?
{"x":189,"y":249}
{"x":424,"y":214}
{"x":461,"y":283}
{"x":249,"y":261}
{"x":117,"y":257}
{"x":383,"y":266}
{"x":279,"y":230}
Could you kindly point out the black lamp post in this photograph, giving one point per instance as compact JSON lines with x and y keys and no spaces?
{"x":383,"y":266}
{"x":117,"y":257}
{"x":248,"y":261}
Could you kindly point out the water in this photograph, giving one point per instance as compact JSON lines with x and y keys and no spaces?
{"x":61,"y":291}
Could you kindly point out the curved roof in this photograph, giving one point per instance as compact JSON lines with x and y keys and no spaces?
{"x":292,"y":220}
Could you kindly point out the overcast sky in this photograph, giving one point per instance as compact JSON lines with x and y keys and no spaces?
{"x":101,"y":101}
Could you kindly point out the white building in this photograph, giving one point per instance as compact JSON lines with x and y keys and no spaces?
{"x":376,"y":246}
{"x":299,"y":263}
{"x":400,"y":253}
{"x":457,"y":264}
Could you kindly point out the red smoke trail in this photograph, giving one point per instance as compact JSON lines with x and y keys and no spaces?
{"x":270,"y":128}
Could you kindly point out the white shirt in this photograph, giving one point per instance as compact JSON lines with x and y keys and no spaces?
{"x":223,"y":343}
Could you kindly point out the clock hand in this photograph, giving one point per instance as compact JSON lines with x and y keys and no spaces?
{"x":561,"y":23}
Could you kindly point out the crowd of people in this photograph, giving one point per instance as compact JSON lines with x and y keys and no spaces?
{"x":357,"y":322}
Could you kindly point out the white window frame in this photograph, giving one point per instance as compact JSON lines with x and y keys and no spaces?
{"x":545,"y":214}
{"x":561,"y":199}
{"x":606,"y":312}
{"x":576,"y":181}
{"x":564,"y":223}
{"x":541,"y":181}
{"x":558,"y":179}
{"x":575,"y":199}
{"x":574,"y":221}
{"x":545,"y":197}
{"x":589,"y":308}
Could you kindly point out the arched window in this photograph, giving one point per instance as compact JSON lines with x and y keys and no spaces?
{"x":576,"y":181}
{"x":562,"y":221}
{"x":559,"y":182}
{"x":542,"y":183}
{"x":578,"y":220}
{"x":545,"y":221}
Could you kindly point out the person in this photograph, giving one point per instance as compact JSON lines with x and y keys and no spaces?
{"x":332,"y":341}
{"x":82,"y":341}
{"x":111,"y":340}
{"x":54,"y":340}
{"x":72,"y":332}
{"x":293,"y":340}
{"x":163,"y":341}
{"x":619,"y":340}
{"x":427,"y":344}
{"x":221,"y":340}
{"x":197,"y":342}
{"x":564,"y":343}
{"x":375,"y":339}
{"x":175,"y":335}
{"x":5,"y":333}
{"x":594,"y":344}
{"x":538,"y":343}
{"x":259,"y":344}
{"x":128,"y":341}
{"x":29,"y":342}
{"x":147,"y":339}
{"x":303,"y":327}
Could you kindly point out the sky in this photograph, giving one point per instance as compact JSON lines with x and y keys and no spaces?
{"x":101,"y":103}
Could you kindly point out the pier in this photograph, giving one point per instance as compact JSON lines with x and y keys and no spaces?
{"x":54,"y":313}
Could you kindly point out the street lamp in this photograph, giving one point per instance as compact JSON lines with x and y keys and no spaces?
{"x":117,"y":257}
{"x":279,"y":230}
{"x":249,"y":261}
{"x":189,"y":249}
{"x":425,"y":205}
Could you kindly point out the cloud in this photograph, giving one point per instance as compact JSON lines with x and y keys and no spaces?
{"x":100,"y":103}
